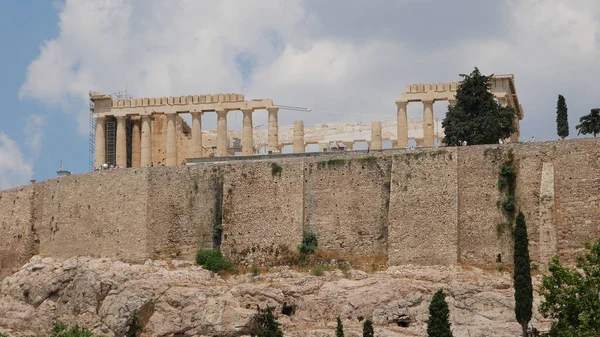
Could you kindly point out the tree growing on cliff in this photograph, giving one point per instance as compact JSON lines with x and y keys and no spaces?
{"x":368,"y":329}
{"x":589,"y":124}
{"x":339,"y":330}
{"x":522,"y":274}
{"x":438,"y":324}
{"x":562,"y":118}
{"x":477,"y":117}
{"x":265,"y":324}
{"x":571,"y":295}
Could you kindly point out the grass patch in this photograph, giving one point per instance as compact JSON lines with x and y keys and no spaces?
{"x":213,"y":260}
{"x":335,"y":162}
{"x":368,"y":160}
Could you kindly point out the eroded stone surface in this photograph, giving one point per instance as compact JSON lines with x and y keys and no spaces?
{"x":177,"y":298}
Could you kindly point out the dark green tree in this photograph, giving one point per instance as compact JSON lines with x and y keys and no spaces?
{"x":265,"y":324}
{"x":477,"y":117}
{"x":339,"y":331}
{"x":589,"y":124}
{"x":438,"y":324}
{"x":570,"y":296}
{"x":562,"y":118}
{"x":522,"y":275}
{"x":368,"y":329}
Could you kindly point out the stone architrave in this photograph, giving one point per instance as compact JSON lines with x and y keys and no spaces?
{"x":146,"y":151}
{"x":247,"y":136}
{"x":299,"y":146}
{"x":100,"y":144}
{"x":171,"y":159}
{"x":428,"y":134}
{"x":121,"y":142}
{"x":136,"y":147}
{"x":402,"y":135}
{"x":273,"y":138}
{"x":196,"y":142}
{"x":376,"y":140}
{"x":221,"y":133}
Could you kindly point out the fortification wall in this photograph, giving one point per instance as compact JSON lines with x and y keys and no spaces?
{"x":423,"y":207}
{"x":346,"y":202}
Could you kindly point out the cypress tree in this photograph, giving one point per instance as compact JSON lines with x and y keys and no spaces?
{"x":339,"y":331}
{"x":522,"y":275}
{"x":265,"y":324}
{"x":438,"y":324}
{"x":562,"y":118}
{"x":368,"y":329}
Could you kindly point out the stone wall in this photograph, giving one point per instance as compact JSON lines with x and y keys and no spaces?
{"x":420,"y":207}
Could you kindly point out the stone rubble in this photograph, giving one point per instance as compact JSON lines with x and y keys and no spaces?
{"x":179,"y":299}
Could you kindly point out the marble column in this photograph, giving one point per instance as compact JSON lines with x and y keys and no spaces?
{"x":146,"y":152}
{"x":196,"y":142}
{"x":221,"y":133}
{"x":136,"y":146}
{"x":402,"y":132}
{"x":247,"y":136}
{"x":273,"y":141}
{"x":121,"y":142}
{"x":100,"y":144}
{"x":171,"y":159}
{"x":376,"y":140}
{"x":428,"y":134}
{"x":299,"y":146}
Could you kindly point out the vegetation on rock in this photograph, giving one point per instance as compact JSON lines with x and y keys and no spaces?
{"x":368,"y":329}
{"x":438,"y":324}
{"x":61,"y":330}
{"x":213,"y":260}
{"x":589,"y":124}
{"x":570,"y":295}
{"x":339,"y":330}
{"x":477,"y":117}
{"x":522,"y":274}
{"x":562,"y":118}
{"x":265,"y":324}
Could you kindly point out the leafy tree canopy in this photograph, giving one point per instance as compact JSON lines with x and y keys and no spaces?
{"x":265,"y":324}
{"x":438,"y":324}
{"x":571,"y":296}
{"x":477,"y":117}
{"x":589,"y":124}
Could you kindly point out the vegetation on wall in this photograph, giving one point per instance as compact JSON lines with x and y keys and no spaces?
{"x":276,"y":169}
{"x":570,"y":295}
{"x":477,"y":117}
{"x":339,"y":330}
{"x":507,"y":183}
{"x":307,"y":247}
{"x":217,"y":232}
{"x":213,"y":260}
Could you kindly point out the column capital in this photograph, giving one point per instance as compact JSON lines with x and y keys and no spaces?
{"x":247,"y":110}
{"x":428,"y":101}
{"x":146,"y":117}
{"x":221,"y":111}
{"x":273,"y":109}
{"x":401,"y":104}
{"x":120,"y":118}
{"x":100,"y":118}
{"x":171,"y":113}
{"x":197,"y":113}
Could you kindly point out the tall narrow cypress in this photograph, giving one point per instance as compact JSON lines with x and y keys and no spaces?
{"x":562,"y":118}
{"x":339,"y":331}
{"x":368,"y":329}
{"x":522,"y":275}
{"x":438,"y":324}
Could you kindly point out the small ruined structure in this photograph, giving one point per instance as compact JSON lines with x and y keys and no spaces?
{"x":502,"y":87}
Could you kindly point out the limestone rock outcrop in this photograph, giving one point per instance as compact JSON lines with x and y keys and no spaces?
{"x":179,"y":299}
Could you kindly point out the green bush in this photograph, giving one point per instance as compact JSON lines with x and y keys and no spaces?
{"x":213,"y":260}
{"x":264,"y":324}
{"x":276,"y":169}
{"x":61,"y":330}
{"x":309,"y":243}
{"x":318,"y":270}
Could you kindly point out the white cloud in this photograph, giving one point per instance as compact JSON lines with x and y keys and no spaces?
{"x":14,"y":168}
{"x":348,"y":62}
{"x":34,"y":133}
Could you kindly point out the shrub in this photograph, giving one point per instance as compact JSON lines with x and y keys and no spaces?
{"x":276,"y":169}
{"x":254,"y":270}
{"x":309,"y":243}
{"x":61,"y":330}
{"x":339,"y":331}
{"x":368,"y":329}
{"x":318,"y":270}
{"x":265,"y":324}
{"x":213,"y":260}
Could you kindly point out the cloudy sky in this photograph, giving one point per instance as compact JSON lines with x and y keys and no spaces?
{"x":346,"y":60}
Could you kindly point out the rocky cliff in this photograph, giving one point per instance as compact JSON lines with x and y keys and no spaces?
{"x":180,"y":299}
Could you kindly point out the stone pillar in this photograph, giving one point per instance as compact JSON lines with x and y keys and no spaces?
{"x":121,"y":142}
{"x":221,"y":133}
{"x":299,"y":146}
{"x":247,"y":136}
{"x":146,"y":152}
{"x":100,"y":145}
{"x":171,"y":139}
{"x":136,"y":146}
{"x":196,"y":145}
{"x":349,"y":146}
{"x":273,"y":142}
{"x":376,"y":141}
{"x":402,"y":132}
{"x":428,"y":134}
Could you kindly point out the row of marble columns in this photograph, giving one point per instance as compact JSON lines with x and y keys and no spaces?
{"x":141,"y":146}
{"x":428,"y":123}
{"x":299,"y":146}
